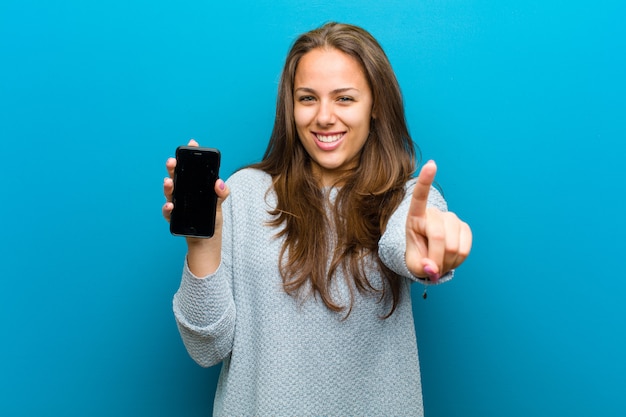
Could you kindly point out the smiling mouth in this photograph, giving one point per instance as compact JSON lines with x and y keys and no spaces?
{"x":328,"y":138}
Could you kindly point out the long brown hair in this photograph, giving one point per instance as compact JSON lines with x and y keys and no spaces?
{"x":367,"y":195}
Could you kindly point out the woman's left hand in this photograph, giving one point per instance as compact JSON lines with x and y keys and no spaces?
{"x":436,"y":241}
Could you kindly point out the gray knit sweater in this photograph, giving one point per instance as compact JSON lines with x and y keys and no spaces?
{"x":284,"y":356}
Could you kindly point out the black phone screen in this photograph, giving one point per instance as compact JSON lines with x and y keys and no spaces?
{"x":194,"y":196}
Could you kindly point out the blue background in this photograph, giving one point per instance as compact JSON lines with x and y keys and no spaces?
{"x":522,"y":104}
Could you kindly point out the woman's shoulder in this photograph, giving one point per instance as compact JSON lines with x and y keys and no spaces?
{"x":250,"y":179}
{"x":250,"y":190}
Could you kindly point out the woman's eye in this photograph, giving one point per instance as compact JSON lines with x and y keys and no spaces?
{"x":345,"y":99}
{"x":305,"y":98}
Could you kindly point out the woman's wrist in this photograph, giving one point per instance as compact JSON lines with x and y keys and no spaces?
{"x":203,"y":255}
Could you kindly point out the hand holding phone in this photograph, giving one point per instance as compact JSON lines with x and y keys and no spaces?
{"x":194,"y":197}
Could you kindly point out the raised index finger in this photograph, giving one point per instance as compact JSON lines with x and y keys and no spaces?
{"x":422,"y":188}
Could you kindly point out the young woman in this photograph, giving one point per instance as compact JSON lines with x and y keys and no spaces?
{"x":303,"y":293}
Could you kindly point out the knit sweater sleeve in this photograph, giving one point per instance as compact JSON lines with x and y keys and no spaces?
{"x":204,"y":307}
{"x":392,"y":244}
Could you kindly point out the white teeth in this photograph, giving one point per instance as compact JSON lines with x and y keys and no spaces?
{"x":329,"y":138}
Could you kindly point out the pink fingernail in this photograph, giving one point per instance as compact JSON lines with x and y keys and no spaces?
{"x":222,"y":185}
{"x":431,"y":273}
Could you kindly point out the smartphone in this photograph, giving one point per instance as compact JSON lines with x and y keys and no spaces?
{"x":194,"y":198}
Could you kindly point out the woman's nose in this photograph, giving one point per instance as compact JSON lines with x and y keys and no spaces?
{"x":325,"y":114}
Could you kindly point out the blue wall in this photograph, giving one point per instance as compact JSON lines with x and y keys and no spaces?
{"x":521,"y":104}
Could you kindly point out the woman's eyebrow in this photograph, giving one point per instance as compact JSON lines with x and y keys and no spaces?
{"x":335,"y":91}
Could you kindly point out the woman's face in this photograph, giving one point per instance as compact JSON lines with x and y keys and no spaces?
{"x":332,"y":110}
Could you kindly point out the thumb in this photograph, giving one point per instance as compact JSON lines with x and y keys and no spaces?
{"x":222,"y":190}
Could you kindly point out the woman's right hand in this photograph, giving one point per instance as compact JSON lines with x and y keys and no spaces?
{"x":203,"y":255}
